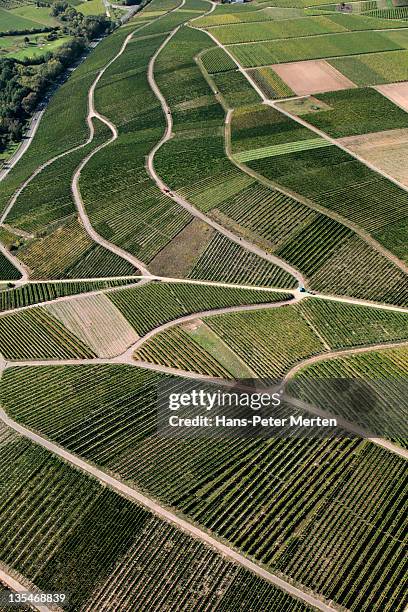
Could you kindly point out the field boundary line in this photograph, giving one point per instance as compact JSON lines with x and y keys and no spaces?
{"x":345,"y":424}
{"x":202,"y":315}
{"x":182,"y":201}
{"x":167,"y":515}
{"x":356,"y":228}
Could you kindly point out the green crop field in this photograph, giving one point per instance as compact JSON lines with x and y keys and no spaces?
{"x":34,"y":334}
{"x":175,"y":348}
{"x":295,"y":28}
{"x":68,"y":252}
{"x":85,"y":537}
{"x":295,"y":501}
{"x":346,"y":325}
{"x":351,"y":113}
{"x":35,"y":293}
{"x":374,"y":69}
{"x":48,"y":198}
{"x":264,"y":247}
{"x":282,"y":149}
{"x":315,"y":47}
{"x":294,"y":340}
{"x":24,"y":18}
{"x":149,"y":306}
{"x":33,"y":13}
{"x":379,"y":378}
{"x":270,"y":83}
{"x":201,"y":346}
{"x":329,"y":176}
{"x":235,"y":88}
{"x":217,"y":60}
{"x":63,"y":125}
{"x":226,"y":261}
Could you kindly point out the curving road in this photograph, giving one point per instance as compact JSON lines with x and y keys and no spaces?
{"x":93,"y":113}
{"x":167,"y":515}
{"x":182,"y":201}
{"x":28,"y":137}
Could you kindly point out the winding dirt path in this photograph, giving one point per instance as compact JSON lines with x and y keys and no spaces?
{"x":128,"y":361}
{"x":128,"y":354}
{"x":182,"y":201}
{"x":92,"y":112}
{"x":333,"y":354}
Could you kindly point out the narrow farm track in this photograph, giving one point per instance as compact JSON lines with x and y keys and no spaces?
{"x":18,"y":587}
{"x":92,"y":112}
{"x":128,"y":361}
{"x":182,"y":201}
{"x":167,"y":515}
{"x":275,"y":104}
{"x":127,"y":355}
{"x":342,"y":353}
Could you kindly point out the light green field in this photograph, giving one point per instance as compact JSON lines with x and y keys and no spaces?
{"x":14,"y":46}
{"x":92,"y":7}
{"x":289,"y":147}
{"x":40,"y":15}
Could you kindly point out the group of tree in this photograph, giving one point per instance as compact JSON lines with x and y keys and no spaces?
{"x":38,"y":30}
{"x":23,"y":83}
{"x":76,"y":24}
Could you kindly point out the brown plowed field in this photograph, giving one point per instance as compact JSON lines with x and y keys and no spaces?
{"x":315,"y":76}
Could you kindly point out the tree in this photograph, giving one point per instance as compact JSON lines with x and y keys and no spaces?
{"x":26,"y":40}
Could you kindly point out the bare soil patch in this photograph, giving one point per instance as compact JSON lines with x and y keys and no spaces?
{"x":179,"y":256}
{"x":387,"y":150}
{"x":310,"y":77}
{"x":396,"y":92}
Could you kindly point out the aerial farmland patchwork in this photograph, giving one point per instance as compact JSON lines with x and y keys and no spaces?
{"x":203,"y":199}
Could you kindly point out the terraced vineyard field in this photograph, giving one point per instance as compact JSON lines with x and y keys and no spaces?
{"x":48,"y":198}
{"x":374,"y":68}
{"x":34,"y":334}
{"x":63,"y":125}
{"x":68,"y":252}
{"x":295,"y":28}
{"x":329,"y":176}
{"x":329,"y":470}
{"x":256,"y":243}
{"x":350,"y":113}
{"x":149,"y":306}
{"x":373,"y":394}
{"x":201,"y":346}
{"x":270,"y":83}
{"x":35,"y":293}
{"x":108,"y":538}
{"x":314,"y":47}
